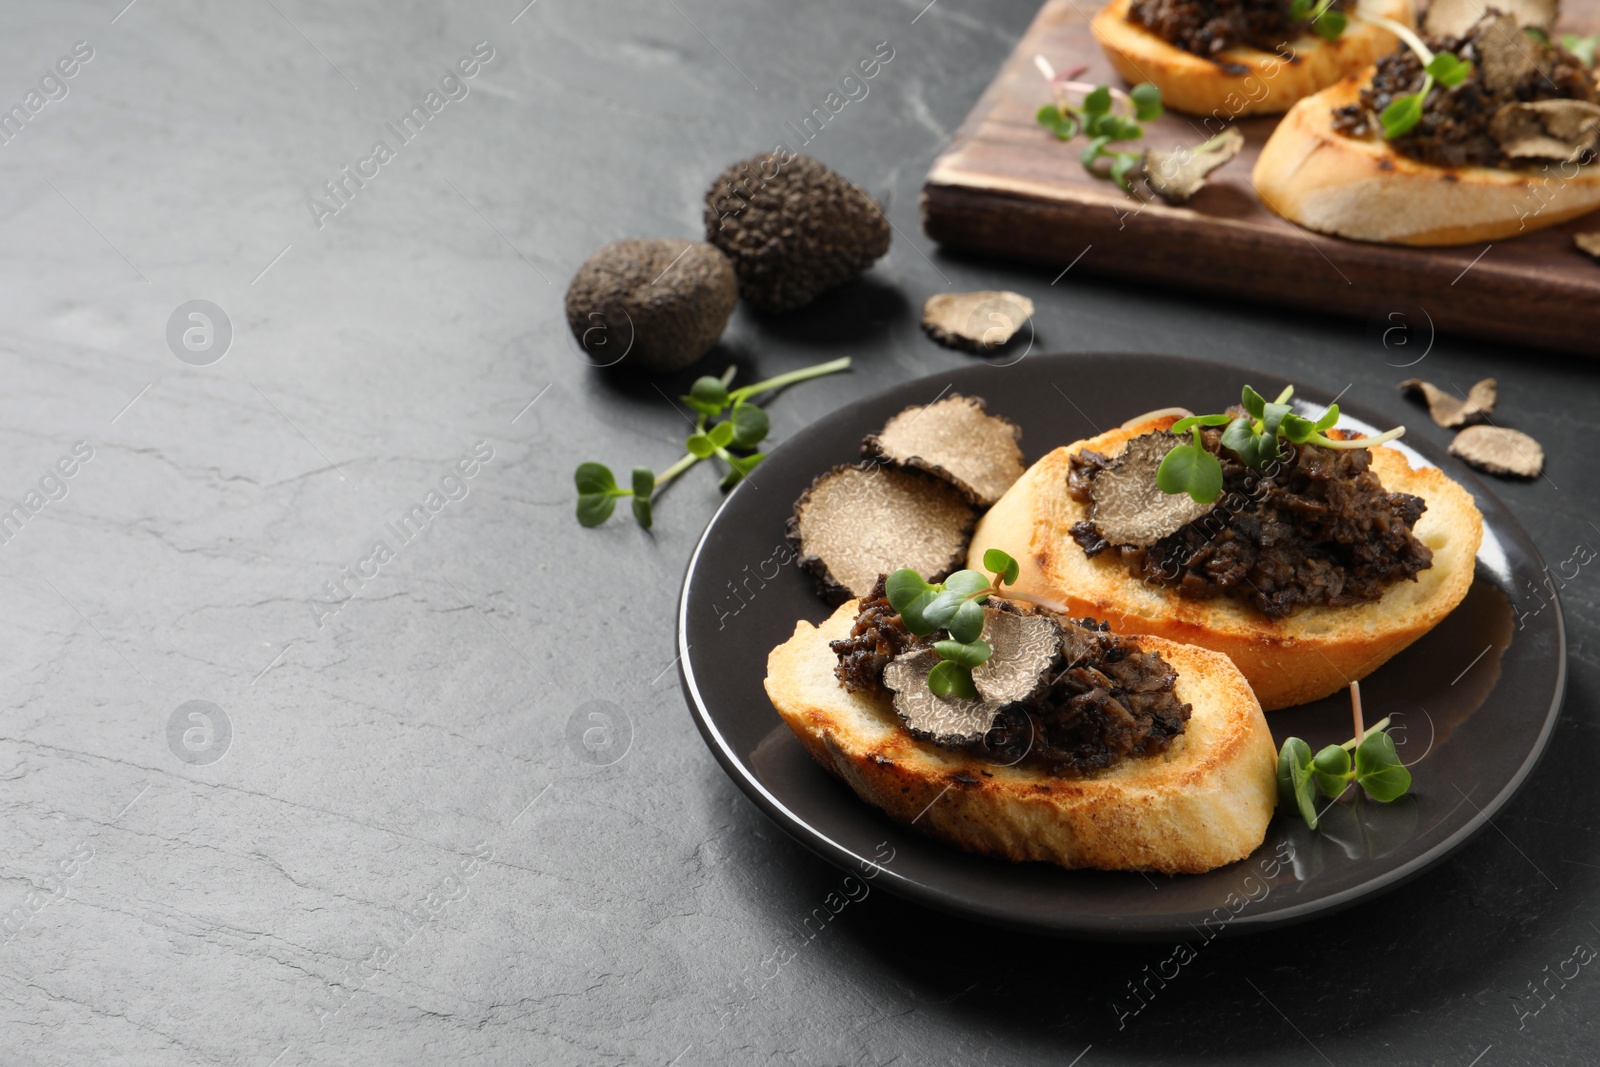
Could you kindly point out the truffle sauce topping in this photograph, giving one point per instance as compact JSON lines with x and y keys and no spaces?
{"x":1098,"y":699}
{"x":1315,"y":527}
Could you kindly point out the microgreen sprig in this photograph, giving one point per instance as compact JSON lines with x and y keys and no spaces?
{"x":1375,"y":767}
{"x":733,"y":440}
{"x":1254,"y":437}
{"x":1404,"y":112}
{"x":1097,"y":118}
{"x":1325,"y":22}
{"x":954,"y":605}
{"x":1581,"y":47}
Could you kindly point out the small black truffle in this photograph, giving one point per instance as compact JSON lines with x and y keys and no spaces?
{"x":657,"y":305}
{"x":793,"y":228}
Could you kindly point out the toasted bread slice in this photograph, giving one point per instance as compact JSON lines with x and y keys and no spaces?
{"x":1312,"y":653}
{"x":1363,"y":189}
{"x":1261,"y":83}
{"x":1202,"y":803}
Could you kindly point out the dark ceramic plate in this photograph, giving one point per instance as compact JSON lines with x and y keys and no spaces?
{"x":1474,"y":701}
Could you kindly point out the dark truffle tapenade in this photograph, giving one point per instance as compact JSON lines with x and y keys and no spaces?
{"x":1208,"y":27}
{"x":1454,"y":128}
{"x":1317,"y":527}
{"x":1107,"y":699}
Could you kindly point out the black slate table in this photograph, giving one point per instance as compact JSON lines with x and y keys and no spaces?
{"x":273,"y":795}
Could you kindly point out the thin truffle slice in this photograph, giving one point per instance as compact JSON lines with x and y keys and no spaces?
{"x":1561,"y":130}
{"x":977,"y":322}
{"x":1499,"y":450}
{"x":1451,"y":411}
{"x":1129,"y":508}
{"x":942,"y":720}
{"x":1177,"y":175}
{"x":955,"y":439}
{"x":1588,"y":243}
{"x":1024,"y":647}
{"x":857,"y":522}
{"x":1453,"y":18}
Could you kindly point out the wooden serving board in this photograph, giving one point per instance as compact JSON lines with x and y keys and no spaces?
{"x":1007,"y":187}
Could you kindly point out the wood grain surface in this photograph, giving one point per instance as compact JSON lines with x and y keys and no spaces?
{"x":1005,"y":187}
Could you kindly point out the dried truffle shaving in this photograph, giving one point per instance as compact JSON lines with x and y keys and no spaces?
{"x":1563,"y":130}
{"x":955,"y":439}
{"x":1177,"y":175}
{"x":944,"y":720}
{"x":1451,"y":411}
{"x":857,"y":522}
{"x":1499,"y":450}
{"x":1129,"y":508}
{"x":1453,"y":18}
{"x":975,"y":322}
{"x":1024,"y":647}
{"x":1504,"y":54}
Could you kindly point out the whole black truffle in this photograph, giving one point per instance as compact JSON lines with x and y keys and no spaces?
{"x":793,"y":228}
{"x":657,"y":304}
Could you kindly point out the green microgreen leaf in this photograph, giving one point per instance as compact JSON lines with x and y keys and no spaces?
{"x":1295,"y":784}
{"x":708,"y":396}
{"x":951,"y":679}
{"x":942,"y":608}
{"x":595,"y":508}
{"x":1582,"y":47}
{"x":1121,"y":164}
{"x":1329,"y":417}
{"x":739,"y":467}
{"x":1091,"y":151}
{"x":1379,"y":770}
{"x":644,"y":482}
{"x":968,"y":654}
{"x":1330,"y":25}
{"x":1297,"y":429}
{"x":1272,"y":419}
{"x":914,"y":613}
{"x":1005,"y":569}
{"x":1299,"y":10}
{"x":904,"y":586}
{"x":700,"y":445}
{"x":750,"y":425}
{"x":1200,"y":420}
{"x":594,"y":478}
{"x":641,"y":511}
{"x":1331,"y":769}
{"x":1097,"y":102}
{"x":1447,"y":70}
{"x":967,"y":623}
{"x":1404,"y":112}
{"x":1252,"y":401}
{"x":967,"y":582}
{"x":721,"y":435}
{"x":1191,"y":469}
{"x":1048,"y":115}
{"x":1146,"y":101}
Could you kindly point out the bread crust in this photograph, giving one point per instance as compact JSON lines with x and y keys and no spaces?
{"x":1203,"y":803}
{"x":1312,"y":653}
{"x":1363,"y":189}
{"x":1268,"y":84}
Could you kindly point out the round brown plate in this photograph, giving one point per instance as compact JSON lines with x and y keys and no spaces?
{"x":1474,"y":701}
